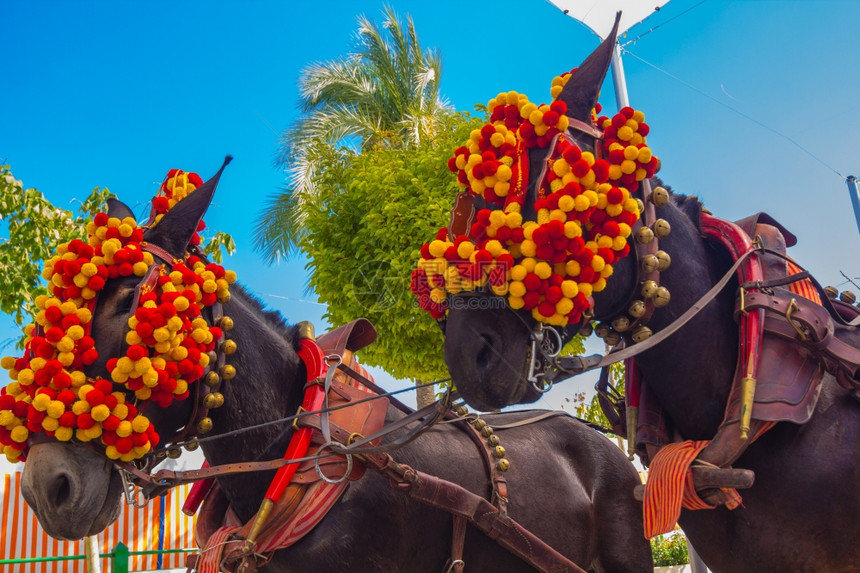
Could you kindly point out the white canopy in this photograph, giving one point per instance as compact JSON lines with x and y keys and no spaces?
{"x":599,"y":15}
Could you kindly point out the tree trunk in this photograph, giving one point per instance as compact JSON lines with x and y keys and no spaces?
{"x":424,"y":395}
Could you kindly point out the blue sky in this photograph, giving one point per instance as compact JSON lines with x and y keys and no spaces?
{"x":753,"y":105}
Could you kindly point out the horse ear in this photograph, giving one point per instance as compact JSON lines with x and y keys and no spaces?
{"x":174,"y":231}
{"x":118,"y":209}
{"x":582,"y":89}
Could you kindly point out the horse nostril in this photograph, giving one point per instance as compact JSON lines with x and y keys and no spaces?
{"x":62,"y":490}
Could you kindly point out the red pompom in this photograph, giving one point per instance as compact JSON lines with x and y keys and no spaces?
{"x":546,"y":309}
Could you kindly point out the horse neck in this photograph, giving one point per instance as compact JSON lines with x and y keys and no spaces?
{"x":267,"y":387}
{"x":690,"y":373}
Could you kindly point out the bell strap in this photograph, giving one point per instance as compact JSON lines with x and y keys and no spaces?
{"x":575,"y":365}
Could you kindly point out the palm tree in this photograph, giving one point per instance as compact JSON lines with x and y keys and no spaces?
{"x":384,"y":95}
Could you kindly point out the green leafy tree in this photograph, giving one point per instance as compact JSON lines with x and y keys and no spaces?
{"x":385,"y":95}
{"x":373,"y":212}
{"x":33,"y":228}
{"x":671,"y":549}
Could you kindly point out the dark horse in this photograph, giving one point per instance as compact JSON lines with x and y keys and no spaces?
{"x":567,"y":483}
{"x":802,"y":512}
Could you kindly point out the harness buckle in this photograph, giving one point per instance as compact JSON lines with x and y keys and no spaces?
{"x":793,"y":306}
{"x":132,"y":492}
{"x":298,"y":415}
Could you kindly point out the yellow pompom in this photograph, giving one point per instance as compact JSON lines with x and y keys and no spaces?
{"x":564,"y":306}
{"x":56,"y":409}
{"x":516,"y":302}
{"x":543,"y":270}
{"x":64,"y":434}
{"x":41,"y":402}
{"x":100,"y":413}
{"x":566,"y":203}
{"x":557,"y":215}
{"x":586,"y":289}
{"x":494,"y":248}
{"x":529,"y":264}
{"x":518,"y":272}
{"x":569,"y":289}
{"x":20,"y":434}
{"x":517,"y":289}
{"x":528,"y":248}
{"x":513,"y":219}
{"x":80,"y":407}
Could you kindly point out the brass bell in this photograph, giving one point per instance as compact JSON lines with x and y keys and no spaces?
{"x":644,"y":235}
{"x":649,"y":263}
{"x":636,"y":308}
{"x":479,"y":424}
{"x":306,"y":330}
{"x":213,"y":400}
{"x":487,"y":431}
{"x":503,"y":465}
{"x":659,"y":196}
{"x":621,"y":323}
{"x":847,"y":296}
{"x":226,"y":323}
{"x":602,"y":329}
{"x":229,"y":347}
{"x":190,"y":447}
{"x":612,"y":339}
{"x":640,"y":205}
{"x":462,"y":411}
{"x":493,"y":440}
{"x":224,"y":299}
{"x":648,"y":289}
{"x":663,"y":260}
{"x":661,"y":297}
{"x":586,"y":329}
{"x":212,"y":378}
{"x":228,"y":372}
{"x":174,"y":453}
{"x":831,"y":292}
{"x":160,"y":454}
{"x":661,"y":228}
{"x":499,"y":451}
{"x":641,"y":333}
{"x":204,"y":426}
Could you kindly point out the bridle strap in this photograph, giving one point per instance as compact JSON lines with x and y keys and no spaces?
{"x":575,"y":365}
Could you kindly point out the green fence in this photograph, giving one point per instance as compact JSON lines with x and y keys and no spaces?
{"x":118,"y":557}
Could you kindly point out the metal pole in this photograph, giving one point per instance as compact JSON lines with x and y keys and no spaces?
{"x":618,"y":78}
{"x":91,"y":550}
{"x":855,"y":197}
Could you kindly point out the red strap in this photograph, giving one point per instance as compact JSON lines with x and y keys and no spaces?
{"x":314,"y":359}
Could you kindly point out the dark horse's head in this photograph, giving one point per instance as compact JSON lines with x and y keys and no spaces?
{"x":73,"y":487}
{"x":488,"y":341}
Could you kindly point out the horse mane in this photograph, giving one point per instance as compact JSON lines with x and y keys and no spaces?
{"x":273,"y":318}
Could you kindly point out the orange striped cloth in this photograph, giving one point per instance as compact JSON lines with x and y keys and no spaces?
{"x":315,"y":505}
{"x":670,"y":487}
{"x":804,"y":287}
{"x":138,"y":528}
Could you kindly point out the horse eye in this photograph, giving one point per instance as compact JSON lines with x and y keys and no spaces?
{"x":125,"y":298}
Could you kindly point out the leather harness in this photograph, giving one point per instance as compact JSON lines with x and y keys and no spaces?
{"x":229,"y":552}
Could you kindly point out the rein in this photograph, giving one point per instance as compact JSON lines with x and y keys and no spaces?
{"x":568,"y":366}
